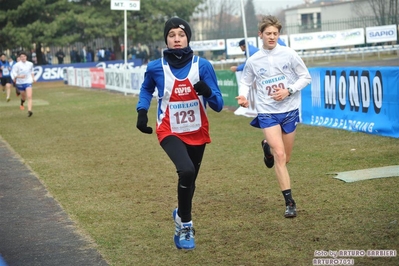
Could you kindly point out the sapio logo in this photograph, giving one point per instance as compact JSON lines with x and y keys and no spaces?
{"x":303,"y":38}
{"x":382,"y":33}
{"x":327,"y":36}
{"x":348,"y":35}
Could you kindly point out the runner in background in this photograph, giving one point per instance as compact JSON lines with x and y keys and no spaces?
{"x":279,"y":74}
{"x":6,"y":80}
{"x":23,"y":77}
{"x":12,"y":63}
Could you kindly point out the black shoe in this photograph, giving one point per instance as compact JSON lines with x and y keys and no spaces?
{"x":30,"y":113}
{"x":268,"y":156}
{"x":290,"y":210}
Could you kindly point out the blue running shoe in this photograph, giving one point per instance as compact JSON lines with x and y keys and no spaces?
{"x":177,"y":221}
{"x":187,"y":233}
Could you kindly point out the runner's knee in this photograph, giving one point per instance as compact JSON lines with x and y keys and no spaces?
{"x":186,"y":176}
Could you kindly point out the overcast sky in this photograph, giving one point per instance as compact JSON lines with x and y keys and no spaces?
{"x":262,"y":7}
{"x":270,"y":6}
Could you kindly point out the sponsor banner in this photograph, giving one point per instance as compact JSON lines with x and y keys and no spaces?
{"x":97,"y":78}
{"x":136,"y":79}
{"x":71,"y":77}
{"x":86,"y":78}
{"x":211,"y":45}
{"x":79,"y":77}
{"x":124,"y":80}
{"x":327,"y":39}
{"x":115,"y":79}
{"x":353,"y":98}
{"x":56,"y":72}
{"x":234,"y":49}
{"x":227,"y":83}
{"x":386,"y":33}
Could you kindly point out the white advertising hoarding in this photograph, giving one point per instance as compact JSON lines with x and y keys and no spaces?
{"x":327,"y":39}
{"x":386,"y":33}
{"x":208,"y":45}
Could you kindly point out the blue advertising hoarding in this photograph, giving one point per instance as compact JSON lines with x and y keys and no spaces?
{"x":362,"y":99}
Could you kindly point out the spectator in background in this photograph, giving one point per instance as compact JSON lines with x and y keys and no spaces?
{"x":107,"y":54}
{"x":141,"y":53}
{"x":14,"y":56}
{"x":156,"y":53}
{"x":44,"y":58}
{"x":49,"y":57}
{"x":89,"y":54}
{"x":34,"y":58}
{"x":133,"y":52}
{"x":60,"y":56}
{"x":101,"y":54}
{"x":74,"y":55}
{"x":83,"y":54}
{"x":147,"y":53}
{"x":112,"y":54}
{"x":138,"y":51}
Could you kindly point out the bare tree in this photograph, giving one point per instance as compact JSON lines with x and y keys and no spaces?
{"x":384,"y":12}
{"x":218,"y":19}
{"x":222,"y":19}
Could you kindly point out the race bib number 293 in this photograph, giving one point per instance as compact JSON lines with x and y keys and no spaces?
{"x":272,"y":83}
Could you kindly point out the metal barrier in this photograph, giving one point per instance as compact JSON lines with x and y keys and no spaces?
{"x":346,"y":52}
{"x":326,"y":54}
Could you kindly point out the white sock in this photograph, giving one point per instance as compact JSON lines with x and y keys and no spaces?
{"x":177,"y":218}
{"x":187,"y":224}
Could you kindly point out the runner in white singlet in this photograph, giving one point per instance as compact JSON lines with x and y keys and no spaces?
{"x":279,"y":75}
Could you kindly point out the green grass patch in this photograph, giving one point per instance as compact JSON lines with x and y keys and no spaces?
{"x":119,"y":186}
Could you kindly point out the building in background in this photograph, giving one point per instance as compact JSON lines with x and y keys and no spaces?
{"x":331,"y":15}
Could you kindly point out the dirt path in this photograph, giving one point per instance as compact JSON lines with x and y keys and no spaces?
{"x":34,"y":229}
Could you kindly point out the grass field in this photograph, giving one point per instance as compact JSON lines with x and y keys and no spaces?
{"x":119,"y":186}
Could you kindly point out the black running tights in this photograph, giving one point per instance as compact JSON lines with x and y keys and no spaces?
{"x":187,"y":160}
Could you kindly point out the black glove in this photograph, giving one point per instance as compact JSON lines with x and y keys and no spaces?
{"x":203,"y":89}
{"x":142,"y":120}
